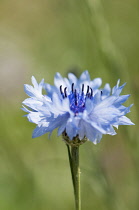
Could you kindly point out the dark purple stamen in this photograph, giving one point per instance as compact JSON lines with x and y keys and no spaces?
{"x":72,"y":87}
{"x":65,"y":92}
{"x":77,"y":98}
{"x":87,"y":89}
{"x":91,"y":92}
{"x":75,"y":92}
{"x":82,"y":88}
{"x":61,"y":91}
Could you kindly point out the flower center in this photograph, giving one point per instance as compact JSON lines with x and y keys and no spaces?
{"x":77,"y":99}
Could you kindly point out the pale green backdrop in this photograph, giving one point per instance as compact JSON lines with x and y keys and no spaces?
{"x":40,"y":38}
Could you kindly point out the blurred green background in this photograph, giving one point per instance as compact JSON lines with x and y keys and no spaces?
{"x":40,"y":38}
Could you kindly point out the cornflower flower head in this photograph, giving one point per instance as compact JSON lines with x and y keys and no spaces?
{"x":79,"y":108}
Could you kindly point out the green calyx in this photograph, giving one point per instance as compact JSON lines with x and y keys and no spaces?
{"x":75,"y":142}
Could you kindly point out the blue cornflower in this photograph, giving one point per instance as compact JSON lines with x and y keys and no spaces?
{"x":77,"y":107}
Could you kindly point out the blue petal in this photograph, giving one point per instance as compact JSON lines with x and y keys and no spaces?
{"x":25,"y":109}
{"x":59,"y":80}
{"x":124,"y":121}
{"x":96,"y":83}
{"x":50,"y":89}
{"x":121,"y":99}
{"x":72,"y":78}
{"x":106,"y":90}
{"x":61,"y":129}
{"x":91,"y":133}
{"x":106,"y":116}
{"x":71,"y":129}
{"x":98,"y":138}
{"x":81,"y":130}
{"x":127,"y":110}
{"x":35,"y":91}
{"x":40,"y":130}
{"x":109,"y":129}
{"x":29,"y":90}
{"x":34,"y":82}
{"x":98,"y":128}
{"x":117,"y":90}
{"x":107,"y":102}
{"x":84,"y":76}
{"x":97,"y":98}
{"x":55,"y":122}
{"x":89,"y":105}
{"x":32,"y":103}
{"x":34,"y":117}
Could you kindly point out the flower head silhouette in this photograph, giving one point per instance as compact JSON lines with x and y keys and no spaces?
{"x":77,"y":107}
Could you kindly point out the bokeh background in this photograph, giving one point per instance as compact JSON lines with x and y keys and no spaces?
{"x":40,"y":38}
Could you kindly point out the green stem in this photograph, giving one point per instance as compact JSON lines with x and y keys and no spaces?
{"x":70,"y":162}
{"x":75,"y":172}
